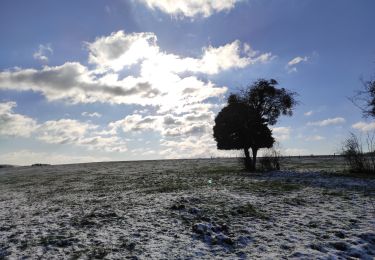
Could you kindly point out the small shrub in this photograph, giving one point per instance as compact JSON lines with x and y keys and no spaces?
{"x":357,"y":160}
{"x":270,"y":160}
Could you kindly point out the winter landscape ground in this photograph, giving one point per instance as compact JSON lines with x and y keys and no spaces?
{"x":186,"y":209}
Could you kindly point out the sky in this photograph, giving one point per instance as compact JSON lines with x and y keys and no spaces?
{"x":96,"y":80}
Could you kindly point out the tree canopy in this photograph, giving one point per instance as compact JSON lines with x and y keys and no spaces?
{"x":268,"y":101}
{"x":365,"y":99}
{"x":238,"y":126}
{"x":243,"y":122}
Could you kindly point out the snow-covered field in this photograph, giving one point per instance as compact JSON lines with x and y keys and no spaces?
{"x":195,"y":209}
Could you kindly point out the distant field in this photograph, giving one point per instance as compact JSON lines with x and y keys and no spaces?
{"x":314,"y":163}
{"x":298,"y":163}
{"x":194,"y":209}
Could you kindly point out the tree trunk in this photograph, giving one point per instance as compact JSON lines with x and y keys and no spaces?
{"x":247,"y":154}
{"x":255,"y":151}
{"x":248,"y":162}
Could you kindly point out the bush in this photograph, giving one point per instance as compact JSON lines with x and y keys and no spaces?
{"x":270,"y":160}
{"x":357,"y":160}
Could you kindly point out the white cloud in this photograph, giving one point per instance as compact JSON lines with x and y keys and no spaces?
{"x":292,"y":64}
{"x":191,"y":8}
{"x":12,"y":124}
{"x":42,"y":53}
{"x":227,"y":57}
{"x":159,"y":81}
{"x":193,"y":147}
{"x":73,"y":82}
{"x":136,"y":123}
{"x":314,"y":138}
{"x":119,"y":49}
{"x":281,"y":133}
{"x":162,"y":76}
{"x":182,"y":136}
{"x":94,"y":114}
{"x":27,"y":157}
{"x":327,"y":122}
{"x":297,"y":60}
{"x":104,"y":143}
{"x":133,"y":69}
{"x":73,"y":132}
{"x":309,"y":113}
{"x":63,"y":131}
{"x":168,"y":125}
{"x":364,"y":127}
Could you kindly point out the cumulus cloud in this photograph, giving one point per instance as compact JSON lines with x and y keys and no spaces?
{"x":227,"y":57}
{"x":162,"y":76}
{"x":281,"y":133}
{"x":182,"y":136}
{"x":42,"y":53}
{"x":74,"y":83}
{"x":191,"y":8}
{"x":136,"y":123}
{"x":120,"y":50}
{"x":94,"y":114}
{"x":73,"y":132}
{"x":292,"y":64}
{"x":327,"y":122}
{"x":314,"y":138}
{"x":63,"y":131}
{"x":364,"y":127}
{"x":131,"y":68}
{"x":27,"y":157}
{"x":104,"y":143}
{"x":168,"y":125}
{"x":12,"y":124}
{"x":192,"y":147}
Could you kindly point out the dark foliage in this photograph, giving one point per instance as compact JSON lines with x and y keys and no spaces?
{"x":243,"y":123}
{"x":268,"y":101}
{"x":365,"y":99}
{"x":237,"y":126}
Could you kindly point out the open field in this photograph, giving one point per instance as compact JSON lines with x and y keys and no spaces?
{"x":197,"y":209}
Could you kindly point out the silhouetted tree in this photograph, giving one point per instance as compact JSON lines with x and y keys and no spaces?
{"x":352,"y":148}
{"x":243,"y":123}
{"x":239,"y":127}
{"x":268,"y":101}
{"x":365,"y":99}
